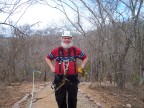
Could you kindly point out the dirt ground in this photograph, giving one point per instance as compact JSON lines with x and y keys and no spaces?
{"x":107,"y":96}
{"x":111,"y":97}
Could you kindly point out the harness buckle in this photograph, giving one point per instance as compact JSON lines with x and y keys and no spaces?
{"x":66,"y":61}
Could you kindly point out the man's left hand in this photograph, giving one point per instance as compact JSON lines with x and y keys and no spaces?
{"x":81,"y":71}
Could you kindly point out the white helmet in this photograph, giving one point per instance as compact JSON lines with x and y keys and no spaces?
{"x":66,"y":33}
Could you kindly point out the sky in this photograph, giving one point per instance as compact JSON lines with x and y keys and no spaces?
{"x":39,"y":15}
{"x":43,"y":14}
{"x":37,"y":12}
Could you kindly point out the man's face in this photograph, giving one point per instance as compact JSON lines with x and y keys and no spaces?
{"x":66,"y":42}
{"x":66,"y":39}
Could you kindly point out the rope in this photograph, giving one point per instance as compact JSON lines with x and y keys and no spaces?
{"x":50,"y":93}
{"x":65,"y":66}
{"x":33,"y":86}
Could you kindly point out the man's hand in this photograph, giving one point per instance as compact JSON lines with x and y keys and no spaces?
{"x":49,"y":62}
{"x":52,"y":68}
{"x":81,"y":71}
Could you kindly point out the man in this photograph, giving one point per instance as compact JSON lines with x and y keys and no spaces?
{"x":66,"y":70}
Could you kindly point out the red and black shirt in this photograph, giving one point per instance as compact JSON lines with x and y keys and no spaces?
{"x":59,"y":54}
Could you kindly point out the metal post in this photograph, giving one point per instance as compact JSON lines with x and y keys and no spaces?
{"x":33,"y":86}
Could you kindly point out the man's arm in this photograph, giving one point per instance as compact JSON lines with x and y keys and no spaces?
{"x":51,"y":66}
{"x":82,"y":66}
{"x":84,"y":62}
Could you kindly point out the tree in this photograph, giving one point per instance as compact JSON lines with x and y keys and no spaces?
{"x":114,"y":34}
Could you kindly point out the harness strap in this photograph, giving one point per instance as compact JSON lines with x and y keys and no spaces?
{"x":74,"y":59}
{"x":69,"y":54}
{"x":59,"y":54}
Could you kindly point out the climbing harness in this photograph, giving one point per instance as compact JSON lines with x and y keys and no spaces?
{"x":61,"y":57}
{"x":64,"y":80}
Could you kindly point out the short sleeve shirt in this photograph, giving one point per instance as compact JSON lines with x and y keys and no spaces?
{"x":66,"y":55}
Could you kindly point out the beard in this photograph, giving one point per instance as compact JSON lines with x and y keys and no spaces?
{"x":66,"y":46}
